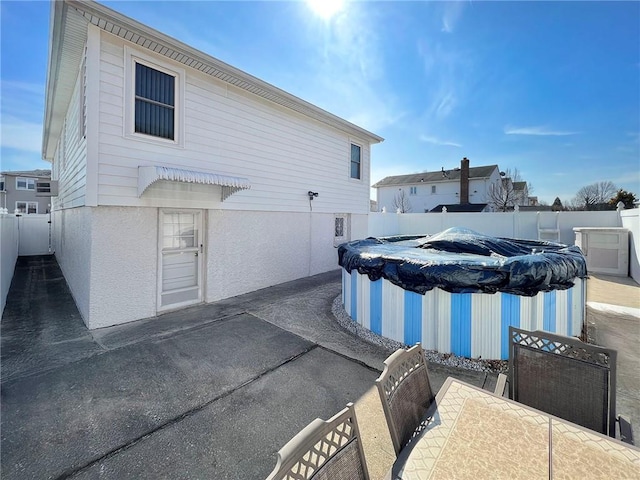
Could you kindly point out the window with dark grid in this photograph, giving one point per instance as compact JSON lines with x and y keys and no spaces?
{"x":155,"y":102}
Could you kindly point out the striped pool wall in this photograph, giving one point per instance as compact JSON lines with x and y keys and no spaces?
{"x":467,"y":324}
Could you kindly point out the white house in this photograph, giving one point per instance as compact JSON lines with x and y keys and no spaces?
{"x":183,"y":179}
{"x":464,"y":189}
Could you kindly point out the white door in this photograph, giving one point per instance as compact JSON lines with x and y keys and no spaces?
{"x":181,"y":258}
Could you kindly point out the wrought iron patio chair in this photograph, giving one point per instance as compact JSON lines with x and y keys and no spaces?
{"x":324,"y":450}
{"x":565,"y":377}
{"x":406,"y":394}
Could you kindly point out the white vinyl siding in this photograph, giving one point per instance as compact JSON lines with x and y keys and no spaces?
{"x":231,"y":132}
{"x":70,"y":160}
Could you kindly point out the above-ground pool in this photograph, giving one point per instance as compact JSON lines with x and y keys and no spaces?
{"x":458,"y":291}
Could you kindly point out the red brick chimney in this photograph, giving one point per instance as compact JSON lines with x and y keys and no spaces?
{"x":464,"y":181}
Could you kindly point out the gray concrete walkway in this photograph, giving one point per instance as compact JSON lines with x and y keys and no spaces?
{"x":211,"y":391}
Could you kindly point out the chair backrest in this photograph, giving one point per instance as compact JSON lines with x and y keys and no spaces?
{"x":564,"y":377}
{"x":324,"y":450}
{"x":406,"y":394}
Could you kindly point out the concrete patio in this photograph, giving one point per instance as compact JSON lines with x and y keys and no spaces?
{"x":212,"y":391}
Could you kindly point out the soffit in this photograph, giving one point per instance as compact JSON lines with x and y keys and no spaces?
{"x":66,"y":49}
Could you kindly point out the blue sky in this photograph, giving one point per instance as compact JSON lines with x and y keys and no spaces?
{"x":551,"y":89}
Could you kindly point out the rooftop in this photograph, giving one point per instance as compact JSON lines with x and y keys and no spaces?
{"x":28,"y":173}
{"x":435,"y":177}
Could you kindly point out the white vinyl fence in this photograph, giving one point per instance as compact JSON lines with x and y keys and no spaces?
{"x":34,"y":235}
{"x":8,"y":254}
{"x":499,"y":224}
{"x":20,"y":235}
{"x":524,"y":225}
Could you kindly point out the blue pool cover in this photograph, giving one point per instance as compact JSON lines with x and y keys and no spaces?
{"x":459,"y":260}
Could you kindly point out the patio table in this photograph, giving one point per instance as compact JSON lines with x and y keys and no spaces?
{"x":473,"y":434}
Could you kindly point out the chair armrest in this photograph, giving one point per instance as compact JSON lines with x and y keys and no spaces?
{"x":626,"y":432}
{"x":501,"y":385}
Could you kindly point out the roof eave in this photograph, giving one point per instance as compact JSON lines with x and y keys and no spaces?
{"x":53,"y":66}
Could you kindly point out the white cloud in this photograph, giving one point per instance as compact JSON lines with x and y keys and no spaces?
{"x":30,"y":88}
{"x":451,"y":15}
{"x":445,"y":105}
{"x":21,"y":135}
{"x":437,"y":141}
{"x":447,"y":74}
{"x":537,"y":131}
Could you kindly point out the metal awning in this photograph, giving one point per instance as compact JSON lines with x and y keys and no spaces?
{"x":148,"y":175}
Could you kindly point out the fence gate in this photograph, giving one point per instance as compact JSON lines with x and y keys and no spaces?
{"x":34,"y":234}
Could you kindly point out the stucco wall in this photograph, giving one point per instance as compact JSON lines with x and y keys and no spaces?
{"x":109,"y":255}
{"x":8,"y":254}
{"x":123,"y":265}
{"x":247,"y":251}
{"x":72,"y":247}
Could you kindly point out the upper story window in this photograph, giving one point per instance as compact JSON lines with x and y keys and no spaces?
{"x":1,"y":184}
{"x":25,"y":183}
{"x":433,"y":189}
{"x":154,"y":89}
{"x":155,"y":102}
{"x":356,"y":161}
{"x":413,"y":190}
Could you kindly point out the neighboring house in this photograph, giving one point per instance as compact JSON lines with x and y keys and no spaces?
{"x":18,"y":191}
{"x":521,"y":194}
{"x":461,"y":189}
{"x":182,"y":179}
